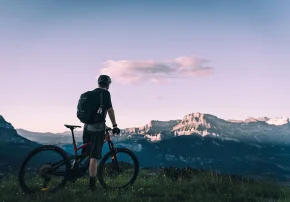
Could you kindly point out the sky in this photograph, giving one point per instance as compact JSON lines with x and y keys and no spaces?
{"x":167,"y":59}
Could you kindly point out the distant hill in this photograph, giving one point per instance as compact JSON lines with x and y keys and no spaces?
{"x":50,"y":138}
{"x":13,"y":147}
{"x":225,"y":156}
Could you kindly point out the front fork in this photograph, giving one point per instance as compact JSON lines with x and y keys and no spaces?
{"x":114,"y":156}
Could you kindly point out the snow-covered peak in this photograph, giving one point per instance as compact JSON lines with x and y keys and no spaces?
{"x":278,"y":121}
{"x":235,"y":121}
{"x":272,"y":121}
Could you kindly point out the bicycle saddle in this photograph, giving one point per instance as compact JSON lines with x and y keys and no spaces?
{"x":72,"y":127}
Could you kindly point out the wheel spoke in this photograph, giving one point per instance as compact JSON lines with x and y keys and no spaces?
{"x":38,"y":173}
{"x":120,"y":171}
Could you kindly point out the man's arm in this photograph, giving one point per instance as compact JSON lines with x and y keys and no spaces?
{"x":112,"y":116}
{"x":111,"y":112}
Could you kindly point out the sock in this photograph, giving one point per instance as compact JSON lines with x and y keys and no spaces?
{"x":92,"y":183}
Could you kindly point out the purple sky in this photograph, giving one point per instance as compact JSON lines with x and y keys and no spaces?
{"x":227,"y":58}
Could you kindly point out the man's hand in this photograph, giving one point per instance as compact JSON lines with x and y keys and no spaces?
{"x":116,"y":130}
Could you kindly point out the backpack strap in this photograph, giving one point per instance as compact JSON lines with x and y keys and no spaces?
{"x":101,"y":100}
{"x":101,"y":103}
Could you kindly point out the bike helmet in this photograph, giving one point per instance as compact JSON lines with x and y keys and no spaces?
{"x":104,"y":80}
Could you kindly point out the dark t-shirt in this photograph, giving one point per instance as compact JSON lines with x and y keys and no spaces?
{"x":107,"y":105}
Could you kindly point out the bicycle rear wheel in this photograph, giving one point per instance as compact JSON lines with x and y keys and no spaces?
{"x":112,"y":176}
{"x":44,"y":169}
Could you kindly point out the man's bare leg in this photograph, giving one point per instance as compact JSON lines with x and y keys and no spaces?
{"x":93,"y":167}
{"x":93,"y":172}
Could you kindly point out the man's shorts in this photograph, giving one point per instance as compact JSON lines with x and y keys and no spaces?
{"x":97,"y":140}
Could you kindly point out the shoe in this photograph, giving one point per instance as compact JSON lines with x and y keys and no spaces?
{"x":92,"y":184}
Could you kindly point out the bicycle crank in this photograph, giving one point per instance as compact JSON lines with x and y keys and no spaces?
{"x":44,"y":172}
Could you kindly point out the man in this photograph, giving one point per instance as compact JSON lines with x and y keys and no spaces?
{"x":95,"y":133}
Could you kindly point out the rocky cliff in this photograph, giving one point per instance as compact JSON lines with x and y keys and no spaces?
{"x":153,"y":127}
{"x":4,"y":123}
{"x":8,"y":134}
{"x":263,"y":129}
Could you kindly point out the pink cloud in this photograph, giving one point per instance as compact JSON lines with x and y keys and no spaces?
{"x":128,"y":71}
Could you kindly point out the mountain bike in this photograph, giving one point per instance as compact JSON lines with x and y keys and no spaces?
{"x":66,"y":167}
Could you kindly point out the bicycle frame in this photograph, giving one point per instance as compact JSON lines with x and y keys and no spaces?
{"x":107,"y":139}
{"x":76,"y":156}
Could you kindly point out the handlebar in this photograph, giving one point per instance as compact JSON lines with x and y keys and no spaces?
{"x":110,"y":129}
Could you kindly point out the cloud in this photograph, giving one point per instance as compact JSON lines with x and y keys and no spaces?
{"x":128,"y":71}
{"x":157,"y":97}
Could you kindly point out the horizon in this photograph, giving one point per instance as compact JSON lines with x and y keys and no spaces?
{"x":227,"y":59}
{"x":230,"y":119}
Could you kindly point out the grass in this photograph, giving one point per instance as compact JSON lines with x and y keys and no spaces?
{"x":205,"y":186}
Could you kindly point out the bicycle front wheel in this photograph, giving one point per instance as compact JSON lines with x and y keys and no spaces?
{"x":118,"y":171}
{"x":44,"y":169}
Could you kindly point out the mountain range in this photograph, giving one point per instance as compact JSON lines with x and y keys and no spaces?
{"x":50,"y":138}
{"x":257,"y":147}
{"x":254,"y":130}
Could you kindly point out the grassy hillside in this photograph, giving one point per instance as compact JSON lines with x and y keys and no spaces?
{"x":202,"y":186}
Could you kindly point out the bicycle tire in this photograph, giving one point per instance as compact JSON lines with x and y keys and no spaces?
{"x":30,"y":155}
{"x":109,"y":155}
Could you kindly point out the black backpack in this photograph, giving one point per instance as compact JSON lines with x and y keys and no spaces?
{"x":90,"y":107}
